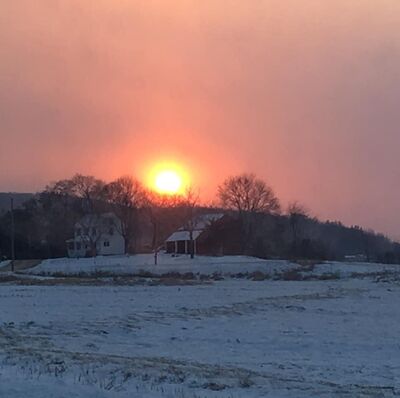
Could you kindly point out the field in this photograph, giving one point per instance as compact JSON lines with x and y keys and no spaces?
{"x":229,"y":338}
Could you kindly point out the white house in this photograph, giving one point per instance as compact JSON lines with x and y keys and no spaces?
{"x":97,"y":235}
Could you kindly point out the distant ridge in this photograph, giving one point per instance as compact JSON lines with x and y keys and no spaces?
{"x":19,"y":199}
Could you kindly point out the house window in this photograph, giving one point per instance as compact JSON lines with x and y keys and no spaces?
{"x":111,"y":231}
{"x":106,"y":243}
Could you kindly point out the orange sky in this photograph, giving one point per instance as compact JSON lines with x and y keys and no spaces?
{"x":303,"y":93}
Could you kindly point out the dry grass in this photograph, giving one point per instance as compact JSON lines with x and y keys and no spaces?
{"x":22,"y":265}
{"x":116,"y":281}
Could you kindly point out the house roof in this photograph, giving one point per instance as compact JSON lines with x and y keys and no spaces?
{"x":183,"y":235}
{"x":201,"y":223}
{"x":97,"y":219}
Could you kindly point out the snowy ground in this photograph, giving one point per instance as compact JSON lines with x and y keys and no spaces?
{"x":4,"y":264}
{"x":231,"y":338}
{"x":226,"y":266}
{"x":354,"y":269}
{"x":136,"y":264}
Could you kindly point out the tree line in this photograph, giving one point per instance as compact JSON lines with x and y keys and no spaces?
{"x":258,"y":223}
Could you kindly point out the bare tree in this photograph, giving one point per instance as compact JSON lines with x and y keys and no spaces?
{"x":74,"y":197}
{"x":87,"y":188}
{"x":127,"y":196}
{"x":297,"y":213}
{"x":155,"y":204}
{"x":90,"y":232}
{"x":190,"y":202}
{"x":249,"y":196}
{"x":93,"y":227}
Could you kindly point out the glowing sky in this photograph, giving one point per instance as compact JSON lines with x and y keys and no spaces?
{"x":304,"y":93}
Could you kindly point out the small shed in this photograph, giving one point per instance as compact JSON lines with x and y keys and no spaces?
{"x":179,"y":241}
{"x":213,"y":234}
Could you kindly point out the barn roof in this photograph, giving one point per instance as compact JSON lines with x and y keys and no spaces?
{"x":202,"y":222}
{"x":183,"y":235}
{"x":98,"y":219}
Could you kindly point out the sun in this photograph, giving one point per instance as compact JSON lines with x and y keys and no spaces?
{"x":168,"y":177}
{"x":168,"y":182}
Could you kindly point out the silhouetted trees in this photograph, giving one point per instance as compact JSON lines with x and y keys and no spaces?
{"x":160,"y":209}
{"x":127,"y":196}
{"x":246,"y":193}
{"x":190,"y":203}
{"x":87,"y":188}
{"x":255,"y":225}
{"x":297,"y":214}
{"x":249,"y":196}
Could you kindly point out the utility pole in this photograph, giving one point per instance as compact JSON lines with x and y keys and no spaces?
{"x":12,"y":236}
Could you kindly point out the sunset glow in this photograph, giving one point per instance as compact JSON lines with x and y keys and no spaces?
{"x":217,"y":89}
{"x":168,"y":182}
{"x":184,"y":183}
{"x":168,"y":178}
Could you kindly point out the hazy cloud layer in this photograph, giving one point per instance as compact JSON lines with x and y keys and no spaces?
{"x":305,"y":93}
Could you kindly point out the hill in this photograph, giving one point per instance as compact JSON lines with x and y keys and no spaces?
{"x":19,"y":199}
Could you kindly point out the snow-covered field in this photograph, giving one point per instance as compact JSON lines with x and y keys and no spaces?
{"x":136,"y":264}
{"x":231,"y":338}
{"x":226,"y":266}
